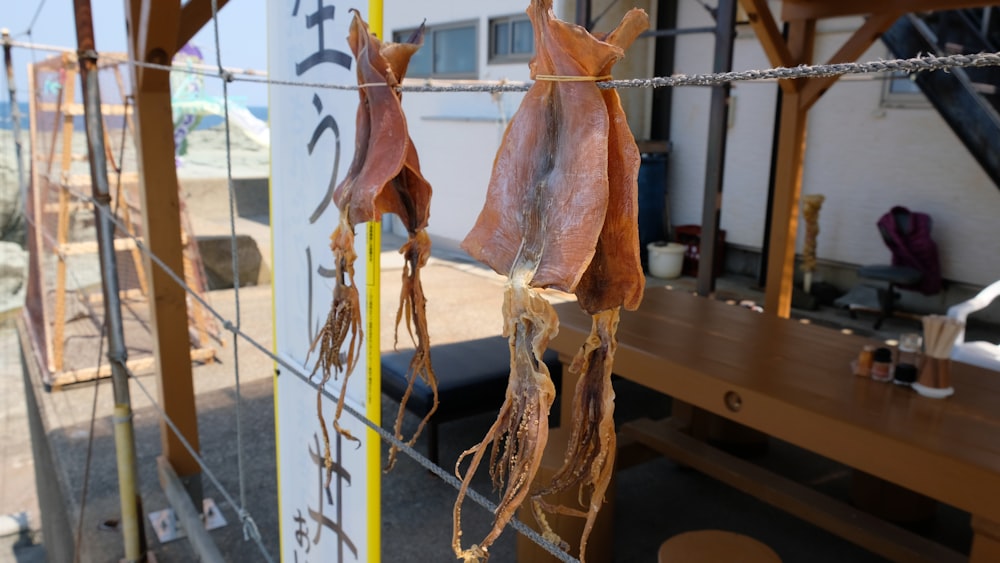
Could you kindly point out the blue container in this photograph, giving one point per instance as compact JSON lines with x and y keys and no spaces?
{"x":652,"y":202}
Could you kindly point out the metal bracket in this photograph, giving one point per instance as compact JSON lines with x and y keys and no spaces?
{"x":167,"y":525}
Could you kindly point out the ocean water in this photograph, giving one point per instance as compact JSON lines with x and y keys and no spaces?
{"x":208,"y":122}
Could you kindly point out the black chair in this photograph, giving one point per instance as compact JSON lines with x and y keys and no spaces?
{"x":472,"y":379}
{"x":915,"y":264}
{"x":894,"y":276}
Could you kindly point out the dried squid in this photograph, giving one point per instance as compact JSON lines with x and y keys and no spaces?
{"x":384,"y":177}
{"x":561,"y":212}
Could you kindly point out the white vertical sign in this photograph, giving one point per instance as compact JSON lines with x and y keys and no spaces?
{"x":312,"y":142}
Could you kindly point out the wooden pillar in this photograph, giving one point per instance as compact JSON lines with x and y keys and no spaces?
{"x":788,"y":178}
{"x":153,"y":30}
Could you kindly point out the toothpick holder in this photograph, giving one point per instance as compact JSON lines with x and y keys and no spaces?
{"x":934,"y":380}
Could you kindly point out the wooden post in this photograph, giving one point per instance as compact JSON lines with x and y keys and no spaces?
{"x":788,"y":179}
{"x":791,"y":148}
{"x":153,"y":29}
{"x":66,"y":98}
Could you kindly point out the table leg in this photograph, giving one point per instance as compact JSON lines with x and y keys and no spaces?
{"x":721,"y":432}
{"x":985,"y":541}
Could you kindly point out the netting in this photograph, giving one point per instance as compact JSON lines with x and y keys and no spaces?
{"x":64,"y":298}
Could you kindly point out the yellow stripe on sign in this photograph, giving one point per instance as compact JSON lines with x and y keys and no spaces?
{"x":374,"y":394}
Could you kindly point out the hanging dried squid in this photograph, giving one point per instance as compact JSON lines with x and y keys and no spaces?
{"x":560,"y":212}
{"x":384,"y":177}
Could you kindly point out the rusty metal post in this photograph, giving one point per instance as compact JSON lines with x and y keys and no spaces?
{"x":124,"y":437}
{"x":725,"y":33}
{"x":15,"y":115}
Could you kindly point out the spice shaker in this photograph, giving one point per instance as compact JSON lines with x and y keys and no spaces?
{"x":863,"y":367}
{"x":910,"y":346}
{"x":882,"y":364}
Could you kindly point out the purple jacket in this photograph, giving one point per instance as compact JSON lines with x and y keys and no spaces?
{"x":908,"y":236}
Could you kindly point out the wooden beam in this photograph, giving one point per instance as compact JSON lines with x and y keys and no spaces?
{"x":854,"y":47}
{"x":135,"y":365}
{"x":820,"y":9}
{"x":153,"y":26}
{"x":788,"y":181}
{"x":194,"y":15}
{"x":762,"y":21}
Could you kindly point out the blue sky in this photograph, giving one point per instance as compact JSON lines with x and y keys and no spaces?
{"x":241,"y":28}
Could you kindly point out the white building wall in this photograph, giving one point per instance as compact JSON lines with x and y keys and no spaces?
{"x":458,"y":134}
{"x":862,"y":157}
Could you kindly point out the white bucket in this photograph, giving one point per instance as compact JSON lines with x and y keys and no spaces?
{"x":665,"y":259}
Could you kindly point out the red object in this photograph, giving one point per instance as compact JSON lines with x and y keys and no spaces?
{"x":690,"y":236}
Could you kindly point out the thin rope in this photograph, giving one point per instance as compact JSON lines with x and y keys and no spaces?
{"x":34,"y":19}
{"x":123,"y":229}
{"x":90,"y":450}
{"x":579,"y":78}
{"x":915,"y":64}
{"x":249,"y":527}
{"x":386,"y":436}
{"x":198,"y":459}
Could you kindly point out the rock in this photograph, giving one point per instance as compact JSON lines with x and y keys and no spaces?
{"x":13,"y":275}
{"x":217,"y":257}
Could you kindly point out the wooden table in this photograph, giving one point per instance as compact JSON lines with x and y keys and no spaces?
{"x":792,"y":381}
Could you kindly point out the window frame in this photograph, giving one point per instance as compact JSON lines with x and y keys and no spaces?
{"x":430,"y":43}
{"x":901,"y":100}
{"x":510,"y":57}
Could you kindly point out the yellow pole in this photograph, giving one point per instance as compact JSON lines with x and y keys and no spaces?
{"x":373,"y":407}
{"x":125,"y":450}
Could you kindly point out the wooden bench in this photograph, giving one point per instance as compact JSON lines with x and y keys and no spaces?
{"x":791,"y":381}
{"x":472,"y":379}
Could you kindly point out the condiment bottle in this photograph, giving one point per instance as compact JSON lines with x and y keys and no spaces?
{"x":863,"y":367}
{"x":882,"y":364}
{"x":910,"y":345}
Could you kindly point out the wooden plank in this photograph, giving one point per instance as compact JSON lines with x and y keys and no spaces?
{"x":854,"y":47}
{"x":153,"y":31}
{"x":67,"y":92}
{"x":36,"y":306}
{"x":788,"y":182}
{"x":794,"y":383}
{"x":771,"y":39}
{"x":125,"y":295}
{"x":865,"y":530}
{"x":90,"y":246}
{"x":75,"y":109}
{"x":75,"y":157}
{"x":137,"y":258}
{"x":820,"y":9}
{"x":83,"y":180}
{"x":134,"y":365}
{"x":194,"y":15}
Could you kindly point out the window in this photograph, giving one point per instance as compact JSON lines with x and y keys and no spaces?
{"x":511,"y":39}
{"x":449,"y":51}
{"x":901,"y":91}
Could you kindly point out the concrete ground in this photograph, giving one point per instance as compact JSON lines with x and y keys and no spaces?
{"x":655,"y":500}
